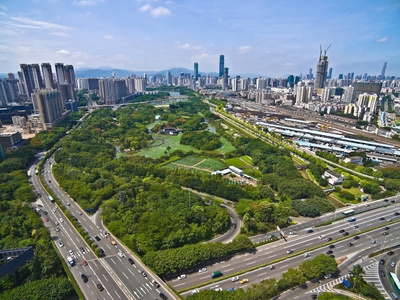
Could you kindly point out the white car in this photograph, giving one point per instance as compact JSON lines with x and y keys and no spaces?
{"x":307,"y":254}
{"x":321,"y":237}
{"x":292,"y":232}
{"x":183,"y":276}
{"x":61,"y":220}
{"x":236,"y":278}
{"x":218,"y":289}
{"x":120,"y":254}
{"x":393,"y":264}
{"x":71,"y":252}
{"x":289,"y":251}
{"x":327,"y":276}
{"x":61,"y":244}
{"x":79,"y":213}
{"x":202,"y":270}
{"x":195,"y":291}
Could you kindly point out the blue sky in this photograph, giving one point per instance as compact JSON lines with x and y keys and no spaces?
{"x":271,"y":38}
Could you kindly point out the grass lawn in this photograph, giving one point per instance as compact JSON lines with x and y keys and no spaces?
{"x":226,"y":146}
{"x":169,"y":140}
{"x":189,"y":160}
{"x":298,"y":160}
{"x":248,"y":159}
{"x":356,"y":192}
{"x":236,"y":162}
{"x":211,"y":164}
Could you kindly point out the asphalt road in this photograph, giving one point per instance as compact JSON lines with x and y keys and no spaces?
{"x":123,"y":278}
{"x":301,"y":241}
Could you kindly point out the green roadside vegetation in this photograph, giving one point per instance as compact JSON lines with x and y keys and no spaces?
{"x":43,"y":275}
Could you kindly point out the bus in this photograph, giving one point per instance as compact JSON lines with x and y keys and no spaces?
{"x":395,"y":281}
{"x":51,"y":199}
{"x":348,"y":213}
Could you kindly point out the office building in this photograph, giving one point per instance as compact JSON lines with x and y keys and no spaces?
{"x":49,"y":106}
{"x":330,"y":73}
{"x":322,"y":70}
{"x":221,"y":65}
{"x":196,"y":71}
{"x":60,"y":73}
{"x":225,"y":79}
{"x":169,"y":77}
{"x":382,"y":77}
{"x":310,"y":75}
{"x":48,"y":76}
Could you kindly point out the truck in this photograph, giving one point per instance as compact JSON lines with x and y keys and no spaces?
{"x":111,"y":240}
{"x":71,"y":261}
{"x":216,"y":274}
{"x":352,"y":219}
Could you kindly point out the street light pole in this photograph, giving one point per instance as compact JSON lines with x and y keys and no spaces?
{"x":384,"y":242}
{"x":319,"y":289}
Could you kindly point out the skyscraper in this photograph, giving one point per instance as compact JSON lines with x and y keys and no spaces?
{"x":48,"y":76}
{"x":322,"y":70}
{"x":221,"y":65}
{"x":37,"y":77}
{"x":225,"y":79}
{"x":69,"y":74}
{"x":49,"y":106}
{"x":330,"y":73}
{"x":169,"y":78}
{"x":310,"y":76}
{"x":196,"y":71}
{"x":60,"y":73}
{"x":27,"y":78}
{"x":383,"y":70}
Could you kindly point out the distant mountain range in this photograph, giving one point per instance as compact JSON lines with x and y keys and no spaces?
{"x":107,"y":72}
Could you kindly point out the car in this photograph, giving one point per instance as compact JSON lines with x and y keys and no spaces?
{"x":84,"y":278}
{"x":382,"y":219}
{"x":382,"y":262}
{"x":307,"y":254}
{"x":356,"y":237}
{"x":61,"y":220}
{"x":82,"y":249}
{"x":244,"y":281}
{"x":292,"y":232}
{"x":350,"y":244}
{"x":385,"y":233}
{"x":331,"y":246}
{"x":183,"y":276}
{"x":373,"y":242}
{"x":271,"y":267}
{"x":49,"y":181}
{"x":131,"y":261}
{"x":71,"y":252}
{"x":392,"y":201}
{"x":218,"y":289}
{"x":195,"y":291}
{"x":202,"y":270}
{"x":120,"y":254}
{"x":329,"y":239}
{"x":144,"y":274}
{"x":310,"y":231}
{"x":289,"y":251}
{"x":329,"y":252}
{"x":367,"y":205}
{"x":390,"y":253}
{"x":155,"y":283}
{"x":355,"y":226}
{"x":68,"y":204}
{"x":55,"y":208}
{"x":393,"y":264}
{"x":314,"y":296}
{"x":396,"y":213}
{"x":327,"y":276}
{"x":99,"y":287}
{"x":45,"y":212}
{"x":97,"y":238}
{"x":163,"y":297}
{"x":386,"y":228}
{"x":56,"y":223}
{"x":79,"y":213}
{"x":333,"y":256}
{"x":389,"y":220}
{"x":386,"y":200}
{"x":61,"y":244}
{"x":103,"y":253}
{"x":382,"y":273}
{"x":235,"y":278}
{"x":345,"y":233}
{"x":57,"y":229}
{"x":341,"y":230}
{"x":321,"y":237}
{"x":39,"y":214}
{"x":39,"y":204}
{"x":46,"y":220}
{"x":84,"y":262}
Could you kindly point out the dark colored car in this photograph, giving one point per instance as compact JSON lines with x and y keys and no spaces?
{"x":341,"y":230}
{"x":390,"y":253}
{"x":97,"y":238}
{"x":386,"y":200}
{"x":386,"y":228}
{"x":350,"y":244}
{"x":99,"y":287}
{"x":356,"y":237}
{"x":382,"y":262}
{"x":382,"y":219}
{"x":396,"y":213}
{"x":131,"y":261}
{"x":82,"y":249}
{"x":329,"y":239}
{"x":163,"y":296}
{"x":345,"y":233}
{"x":310,"y":231}
{"x":329,"y":252}
{"x":383,"y":273}
{"x":84,"y":278}
{"x":333,"y":256}
{"x":392,"y":201}
{"x":331,"y":246}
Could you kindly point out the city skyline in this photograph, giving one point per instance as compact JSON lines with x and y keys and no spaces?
{"x":274,"y":40}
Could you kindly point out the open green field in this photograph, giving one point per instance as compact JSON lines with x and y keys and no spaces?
{"x":356,"y":192}
{"x":207,"y":164}
{"x":189,"y":160}
{"x":226,"y":146}
{"x":247,"y":159}
{"x":236,"y":162}
{"x":211,"y":164}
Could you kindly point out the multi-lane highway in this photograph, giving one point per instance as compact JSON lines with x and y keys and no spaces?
{"x":300,"y":242}
{"x":120,"y":278}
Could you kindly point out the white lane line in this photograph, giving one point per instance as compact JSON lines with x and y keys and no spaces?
{"x":262,"y":274}
{"x":284,"y":266}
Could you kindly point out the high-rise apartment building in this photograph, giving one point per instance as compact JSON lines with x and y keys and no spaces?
{"x":48,"y":76}
{"x":67,"y":92}
{"x":169,"y":77}
{"x":322,"y":71}
{"x":69,"y":75}
{"x":37,"y":77}
{"x":234,"y":84}
{"x":27,"y":78}
{"x":221,"y":65}
{"x":326,"y":94}
{"x":383,"y":71}
{"x":60,"y":73}
{"x":112,"y":90}
{"x":140,"y":84}
{"x":348,"y":95}
{"x":49,"y":106}
{"x":196,"y":71}
{"x":225,"y":79}
{"x":243,"y":84}
{"x":310,"y":75}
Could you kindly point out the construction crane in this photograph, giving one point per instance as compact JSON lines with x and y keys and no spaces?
{"x":324,"y":128}
{"x":320,"y":50}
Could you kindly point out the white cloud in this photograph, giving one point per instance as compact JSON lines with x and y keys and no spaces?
{"x":63,"y":52}
{"x":289,"y":64}
{"x":145,"y":7}
{"x":160,"y":11}
{"x":184,"y":46}
{"x":169,"y":2}
{"x":244,"y":49}
{"x":382,"y":40}
{"x":61,"y":34}
{"x":108,"y":37}
{"x":87,"y":2}
{"x":3,"y":7}
{"x":29,"y":23}
{"x":157,"y":11}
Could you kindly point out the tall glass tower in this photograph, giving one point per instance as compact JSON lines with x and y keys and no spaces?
{"x":196,"y":71}
{"x":221,"y":65}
